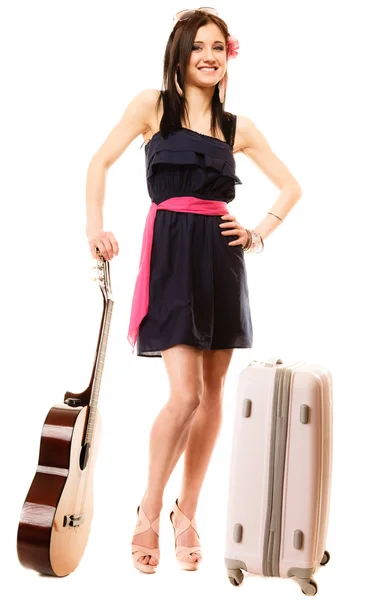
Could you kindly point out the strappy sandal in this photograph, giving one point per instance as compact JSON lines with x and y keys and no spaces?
{"x":180,"y":524}
{"x":143,"y":524}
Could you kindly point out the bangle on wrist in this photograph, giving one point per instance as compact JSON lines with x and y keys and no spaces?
{"x":254,"y":242}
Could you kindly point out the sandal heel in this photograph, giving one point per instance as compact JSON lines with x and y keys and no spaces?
{"x":143,"y":524}
{"x":180,"y":524}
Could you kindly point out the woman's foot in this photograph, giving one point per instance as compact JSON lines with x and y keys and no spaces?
{"x":145,"y":542}
{"x":186,"y":538}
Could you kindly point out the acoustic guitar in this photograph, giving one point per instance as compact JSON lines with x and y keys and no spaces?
{"x":57,"y":513}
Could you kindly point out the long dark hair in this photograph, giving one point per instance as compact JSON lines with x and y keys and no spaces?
{"x":178,"y":50}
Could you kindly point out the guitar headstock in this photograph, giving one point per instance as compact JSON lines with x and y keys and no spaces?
{"x":103,"y":275}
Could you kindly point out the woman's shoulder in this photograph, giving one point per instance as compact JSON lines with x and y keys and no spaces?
{"x":245,"y":131}
{"x":152,"y":98}
{"x":149,"y":96}
{"x":144,"y":104}
{"x":243,"y":122}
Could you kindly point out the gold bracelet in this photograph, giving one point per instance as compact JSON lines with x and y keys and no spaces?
{"x":248,"y":242}
{"x":253,"y":241}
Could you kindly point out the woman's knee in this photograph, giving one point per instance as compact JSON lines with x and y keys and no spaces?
{"x":215,"y":367}
{"x":187,"y":399}
{"x":184,"y":366}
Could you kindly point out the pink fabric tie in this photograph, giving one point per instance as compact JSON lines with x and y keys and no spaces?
{"x":190,"y":204}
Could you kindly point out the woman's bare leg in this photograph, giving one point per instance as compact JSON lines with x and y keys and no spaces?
{"x":203,"y":436}
{"x":170,"y":431}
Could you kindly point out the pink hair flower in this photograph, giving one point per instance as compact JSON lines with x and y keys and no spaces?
{"x":232,"y":47}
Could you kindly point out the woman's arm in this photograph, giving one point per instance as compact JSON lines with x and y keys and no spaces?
{"x":135,"y":120}
{"x":254,"y":145}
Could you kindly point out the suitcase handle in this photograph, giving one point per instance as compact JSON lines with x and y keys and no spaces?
{"x":273,"y":360}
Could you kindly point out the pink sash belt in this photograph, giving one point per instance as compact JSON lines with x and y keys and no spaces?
{"x":190,"y":204}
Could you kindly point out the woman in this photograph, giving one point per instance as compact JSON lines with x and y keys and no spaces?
{"x":190,"y":304}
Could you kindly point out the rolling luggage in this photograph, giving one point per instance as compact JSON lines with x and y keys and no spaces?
{"x":280,"y":473}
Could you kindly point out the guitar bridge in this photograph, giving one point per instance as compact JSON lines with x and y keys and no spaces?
{"x":73,"y":520}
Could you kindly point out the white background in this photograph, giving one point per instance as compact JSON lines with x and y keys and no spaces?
{"x":308,"y":76}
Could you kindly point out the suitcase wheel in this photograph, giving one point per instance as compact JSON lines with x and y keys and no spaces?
{"x":310,"y":589}
{"x":235,"y":576}
{"x":325,"y":559}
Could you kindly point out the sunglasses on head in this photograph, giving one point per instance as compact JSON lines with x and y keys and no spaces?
{"x":183,"y":15}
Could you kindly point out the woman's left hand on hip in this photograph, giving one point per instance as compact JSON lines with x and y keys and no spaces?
{"x":235,"y":229}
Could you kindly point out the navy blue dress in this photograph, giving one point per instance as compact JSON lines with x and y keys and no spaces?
{"x":198,"y":292}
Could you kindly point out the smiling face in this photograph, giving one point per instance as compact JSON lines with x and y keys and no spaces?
{"x":207,"y":64}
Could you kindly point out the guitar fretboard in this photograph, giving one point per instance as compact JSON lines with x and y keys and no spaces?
{"x":100,"y":359}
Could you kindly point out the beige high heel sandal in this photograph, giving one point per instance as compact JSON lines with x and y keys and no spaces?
{"x":143,"y":524}
{"x":180,"y":524}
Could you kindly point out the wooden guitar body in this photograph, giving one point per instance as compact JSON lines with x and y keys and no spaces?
{"x":57,"y":513}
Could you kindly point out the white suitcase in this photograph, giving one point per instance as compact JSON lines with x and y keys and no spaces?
{"x":280,"y":473}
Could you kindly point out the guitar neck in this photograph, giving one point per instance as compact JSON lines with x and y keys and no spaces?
{"x":98,"y":369}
